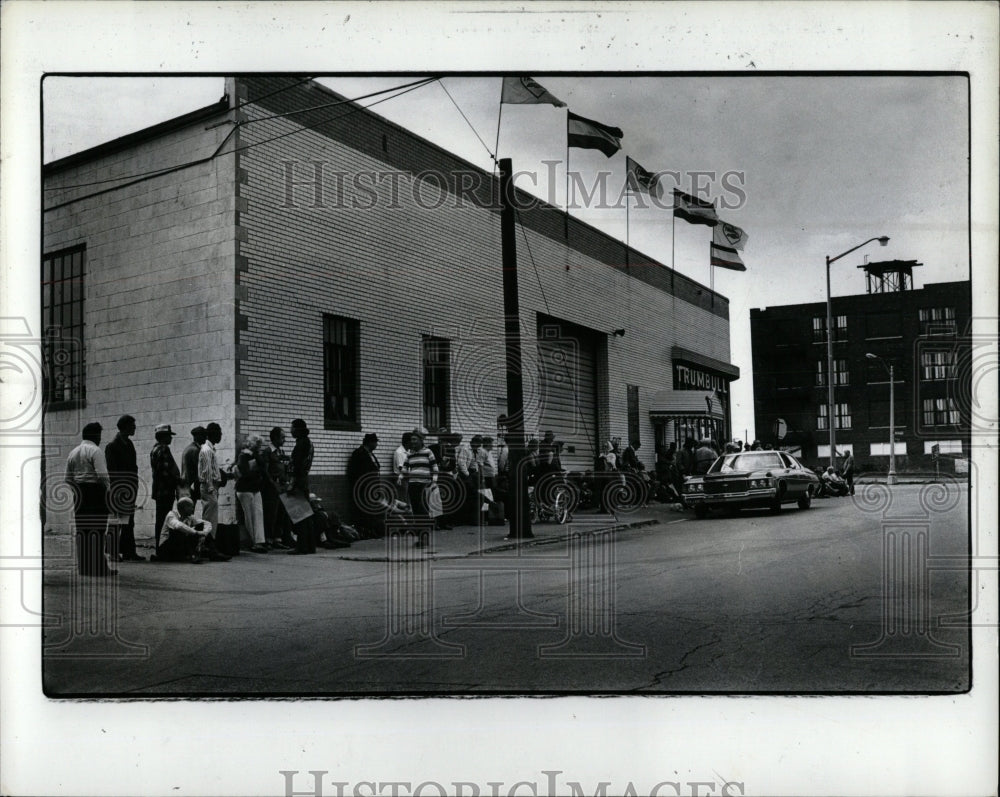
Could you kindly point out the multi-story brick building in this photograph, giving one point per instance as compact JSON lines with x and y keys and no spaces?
{"x":923,"y":333}
{"x":283,"y":254}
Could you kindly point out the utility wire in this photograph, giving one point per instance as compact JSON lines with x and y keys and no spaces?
{"x":168,"y":169}
{"x":492,"y":155}
{"x":531,"y":257}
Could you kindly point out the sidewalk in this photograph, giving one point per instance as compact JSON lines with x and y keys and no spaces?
{"x":463,"y":541}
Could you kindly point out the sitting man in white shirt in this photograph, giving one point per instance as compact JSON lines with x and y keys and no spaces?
{"x":186,"y":538}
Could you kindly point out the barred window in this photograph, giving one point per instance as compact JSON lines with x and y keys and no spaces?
{"x":936,"y":366}
{"x":839,"y":328}
{"x":62,"y":324}
{"x":937,"y":320}
{"x":842,"y":418}
{"x":341,"y":366}
{"x":437,"y":382}
{"x":840,"y":373}
{"x":940,"y":412}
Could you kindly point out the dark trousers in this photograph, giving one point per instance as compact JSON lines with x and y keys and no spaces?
{"x":849,"y":477}
{"x":123,"y":541}
{"x":163,"y":506}
{"x":305,"y":535}
{"x":277,"y":524}
{"x":91,"y":516}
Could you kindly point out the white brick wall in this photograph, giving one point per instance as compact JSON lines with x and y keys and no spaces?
{"x":159,"y":280}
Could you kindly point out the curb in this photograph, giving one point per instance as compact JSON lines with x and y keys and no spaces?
{"x":531,"y":542}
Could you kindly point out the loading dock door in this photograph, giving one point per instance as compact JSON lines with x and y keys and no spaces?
{"x":567,"y":357}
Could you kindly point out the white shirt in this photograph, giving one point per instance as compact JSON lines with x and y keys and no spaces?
{"x":208,"y":468}
{"x":182,"y":525}
{"x":86,"y":465}
{"x":399,"y":457}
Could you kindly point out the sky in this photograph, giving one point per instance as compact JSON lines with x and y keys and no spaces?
{"x":809,"y":166}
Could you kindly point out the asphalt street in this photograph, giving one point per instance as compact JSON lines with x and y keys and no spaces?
{"x":863,"y":594}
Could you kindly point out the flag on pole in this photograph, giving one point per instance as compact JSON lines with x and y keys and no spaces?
{"x":525,"y":91}
{"x":694,"y":210}
{"x":588,"y":134}
{"x":726,"y":240}
{"x":639,"y":179}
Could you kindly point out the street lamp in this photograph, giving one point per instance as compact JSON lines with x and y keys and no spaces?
{"x":883,"y":241}
{"x":891,"y":478}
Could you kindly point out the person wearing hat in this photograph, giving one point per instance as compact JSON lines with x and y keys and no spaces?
{"x":364,"y":473}
{"x":185,"y":538}
{"x":301,"y":464}
{"x":166,"y":476}
{"x":123,"y":468}
{"x":189,"y":463}
{"x":87,"y":476}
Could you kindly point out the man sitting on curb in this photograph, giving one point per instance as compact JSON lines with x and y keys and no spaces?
{"x":185,"y":538}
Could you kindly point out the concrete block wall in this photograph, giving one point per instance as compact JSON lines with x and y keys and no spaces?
{"x":159,"y":292}
{"x":403,"y":271}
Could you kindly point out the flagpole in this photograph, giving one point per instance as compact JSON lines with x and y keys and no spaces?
{"x":496,"y":147}
{"x":626,"y":214}
{"x":566,"y":217}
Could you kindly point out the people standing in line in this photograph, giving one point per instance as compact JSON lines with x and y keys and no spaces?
{"x":630,"y":459}
{"x":87,"y":476}
{"x":123,"y":468}
{"x":189,"y":464}
{"x":469,"y":473}
{"x":399,"y":463}
{"x":186,"y":538}
{"x":848,"y":469}
{"x":363,"y":473}
{"x":488,"y":471}
{"x":277,"y":526}
{"x":301,"y":464}
{"x":686,"y":459}
{"x":249,"y":481}
{"x":421,"y":471}
{"x":210,"y":477}
{"x":444,"y":451}
{"x":166,"y":478}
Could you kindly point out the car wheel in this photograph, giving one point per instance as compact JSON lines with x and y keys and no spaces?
{"x":701,"y":512}
{"x":806,"y":500}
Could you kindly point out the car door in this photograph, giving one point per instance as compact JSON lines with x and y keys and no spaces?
{"x":793,"y":476}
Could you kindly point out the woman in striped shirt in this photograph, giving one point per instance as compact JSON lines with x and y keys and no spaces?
{"x":421,"y":472}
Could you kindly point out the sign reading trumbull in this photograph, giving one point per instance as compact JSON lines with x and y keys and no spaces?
{"x":687,"y":377}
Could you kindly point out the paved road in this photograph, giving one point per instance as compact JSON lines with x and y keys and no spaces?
{"x":754,"y":603}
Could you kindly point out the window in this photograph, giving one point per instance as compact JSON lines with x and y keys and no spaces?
{"x":633,"y":415}
{"x":944,"y":446}
{"x":839,"y":328}
{"x":940,"y":412}
{"x":885,"y":449}
{"x":437,"y":382}
{"x":843,"y":416}
{"x":840,"y":373}
{"x":823,"y":452}
{"x":62,"y":324}
{"x":341,"y":359}
{"x":937,"y":320}
{"x":936,"y":366}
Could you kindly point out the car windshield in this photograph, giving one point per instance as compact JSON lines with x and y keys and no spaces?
{"x":755,"y":460}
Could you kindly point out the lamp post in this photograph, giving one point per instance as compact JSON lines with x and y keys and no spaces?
{"x":883,"y":241}
{"x":891,"y":478}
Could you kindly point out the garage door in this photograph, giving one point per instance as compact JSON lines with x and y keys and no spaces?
{"x":567,"y":356}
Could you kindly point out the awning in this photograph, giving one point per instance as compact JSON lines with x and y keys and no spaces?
{"x":686,"y":355}
{"x":674,"y":403}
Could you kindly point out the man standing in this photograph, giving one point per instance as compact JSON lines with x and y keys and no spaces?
{"x":399,"y":462}
{"x":467,"y":465}
{"x":210,"y":478}
{"x":189,"y":463}
{"x":849,"y":470}
{"x":421,"y":472}
{"x":166,"y":477}
{"x":301,"y":464}
{"x":277,"y":527}
{"x":87,"y":476}
{"x":124,"y":472}
{"x":363,"y":472}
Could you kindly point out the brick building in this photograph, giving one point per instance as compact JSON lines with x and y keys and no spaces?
{"x":277,"y":255}
{"x":923,"y":332}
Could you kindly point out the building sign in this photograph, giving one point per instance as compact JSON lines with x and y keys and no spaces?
{"x":687,"y":377}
